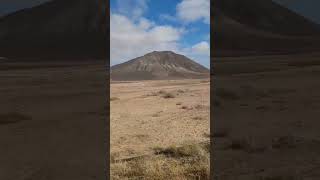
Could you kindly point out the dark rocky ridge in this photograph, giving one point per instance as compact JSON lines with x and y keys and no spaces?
{"x":159,"y":65}
{"x":59,"y":29}
{"x":260,"y":27}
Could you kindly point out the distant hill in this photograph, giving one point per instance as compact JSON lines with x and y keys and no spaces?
{"x":58,"y":29}
{"x":159,"y":65}
{"x":260,"y":26}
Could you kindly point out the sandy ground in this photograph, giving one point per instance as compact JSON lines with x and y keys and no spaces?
{"x":52,"y":121}
{"x":266,"y":118}
{"x":142,"y":119}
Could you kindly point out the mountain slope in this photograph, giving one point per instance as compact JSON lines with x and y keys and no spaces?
{"x":159,"y":65}
{"x":260,"y":26}
{"x":59,"y":28}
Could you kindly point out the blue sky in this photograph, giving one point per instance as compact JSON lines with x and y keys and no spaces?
{"x":141,"y":26}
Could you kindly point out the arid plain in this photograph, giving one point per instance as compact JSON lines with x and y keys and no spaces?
{"x":159,"y":127}
{"x":52,"y":120}
{"x":266,"y":117}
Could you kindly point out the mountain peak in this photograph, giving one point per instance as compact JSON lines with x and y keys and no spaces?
{"x":159,"y":65}
{"x":161,"y":52}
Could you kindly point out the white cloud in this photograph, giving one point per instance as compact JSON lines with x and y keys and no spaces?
{"x":132,"y":8}
{"x":194,"y":10}
{"x":130,"y":39}
{"x":199,"y":52}
{"x":202,"y":48}
{"x":145,"y":23}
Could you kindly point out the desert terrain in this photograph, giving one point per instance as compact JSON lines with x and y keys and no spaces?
{"x":53,"y":120}
{"x":266,"y":117}
{"x":160,"y":129}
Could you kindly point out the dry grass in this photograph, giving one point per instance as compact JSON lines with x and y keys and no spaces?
{"x":280,"y":177}
{"x":168,"y":95}
{"x":284,"y":142}
{"x":199,"y":106}
{"x":197,"y":118}
{"x":114,"y":98}
{"x":157,"y":114}
{"x":189,"y":161}
{"x":13,"y":117}
{"x":246,"y":144}
{"x":155,"y":110}
{"x":162,"y":93}
{"x":184,"y":107}
{"x":226,"y":94}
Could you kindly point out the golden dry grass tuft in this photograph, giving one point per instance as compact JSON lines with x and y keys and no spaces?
{"x":162,"y":93}
{"x":168,"y":95}
{"x":114,"y":98}
{"x":188,"y":161}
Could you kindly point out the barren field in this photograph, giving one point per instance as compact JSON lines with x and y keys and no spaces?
{"x":158,"y":125}
{"x":52,"y":121}
{"x":266,"y":118}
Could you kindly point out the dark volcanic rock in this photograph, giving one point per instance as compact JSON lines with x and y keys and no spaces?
{"x":159,"y":65}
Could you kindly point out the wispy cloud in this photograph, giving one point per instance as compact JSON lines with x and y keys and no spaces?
{"x":168,"y":17}
{"x":201,"y":48}
{"x":132,"y":8}
{"x":194,"y":10}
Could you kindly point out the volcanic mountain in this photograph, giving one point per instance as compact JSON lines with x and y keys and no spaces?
{"x":58,"y":29}
{"x":158,"y":65}
{"x":260,"y":26}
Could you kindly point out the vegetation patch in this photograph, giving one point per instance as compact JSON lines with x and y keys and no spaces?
{"x":180,"y":151}
{"x":197,"y":118}
{"x":199,"y":106}
{"x":284,"y":142}
{"x":189,"y":161}
{"x":245,"y":144}
{"x":13,"y":117}
{"x":280,"y":177}
{"x":114,"y":98}
{"x":184,"y":107}
{"x":156,"y":115}
{"x":226,"y":94}
{"x":168,"y":95}
{"x":162,"y":92}
{"x":181,"y":91}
